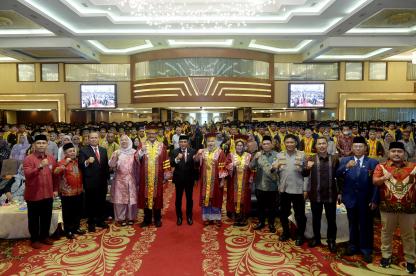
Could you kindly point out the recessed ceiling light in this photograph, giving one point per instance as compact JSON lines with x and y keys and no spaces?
{"x":134,"y":49}
{"x":296,"y":49}
{"x":225,"y":42}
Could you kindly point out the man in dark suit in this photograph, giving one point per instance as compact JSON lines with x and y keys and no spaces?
{"x":184,"y":176}
{"x":360,"y":197}
{"x":93,"y":162}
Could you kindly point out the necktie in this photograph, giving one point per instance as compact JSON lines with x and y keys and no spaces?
{"x":358,"y":167}
{"x":184,"y":154}
{"x":97,"y":153}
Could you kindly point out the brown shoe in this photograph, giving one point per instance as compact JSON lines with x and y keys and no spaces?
{"x":218,"y":223}
{"x":36,"y":245}
{"x":47,"y":241}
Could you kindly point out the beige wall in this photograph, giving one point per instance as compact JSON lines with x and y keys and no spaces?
{"x":283,"y":116}
{"x":366,"y":104}
{"x":124,"y":116}
{"x":9,"y":85}
{"x":396,"y":83}
{"x":11,"y":117}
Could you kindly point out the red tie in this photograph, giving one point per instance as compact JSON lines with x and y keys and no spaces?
{"x":97,"y":153}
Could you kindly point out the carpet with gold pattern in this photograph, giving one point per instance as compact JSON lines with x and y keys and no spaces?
{"x":185,"y":250}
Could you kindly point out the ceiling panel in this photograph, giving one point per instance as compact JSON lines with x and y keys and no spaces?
{"x":312,"y":28}
{"x":12,"y":20}
{"x":391,"y":18}
{"x":200,"y":7}
{"x":350,"y":51}
{"x":49,"y":53}
{"x":154,"y":17}
{"x":121,"y":43}
{"x":5,"y":58}
{"x":280,"y":43}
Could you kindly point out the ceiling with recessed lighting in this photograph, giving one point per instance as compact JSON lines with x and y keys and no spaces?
{"x":316,"y":30}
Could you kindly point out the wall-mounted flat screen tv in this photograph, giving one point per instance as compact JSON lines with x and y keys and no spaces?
{"x":306,"y":95}
{"x":98,"y":96}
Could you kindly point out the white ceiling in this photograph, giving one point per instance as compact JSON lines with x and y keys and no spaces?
{"x":319,"y":30}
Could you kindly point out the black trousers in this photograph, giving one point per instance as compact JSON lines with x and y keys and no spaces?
{"x":157,"y":215}
{"x":330,"y":213}
{"x":266,"y":205}
{"x":39,"y":214}
{"x":71,"y":212}
{"x":298,"y":201}
{"x":180,"y":188}
{"x":95,"y":201}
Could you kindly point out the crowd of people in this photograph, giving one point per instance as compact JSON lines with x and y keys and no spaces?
{"x":367,"y":166}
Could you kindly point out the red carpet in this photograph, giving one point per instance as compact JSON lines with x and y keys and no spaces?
{"x":183,"y":250}
{"x":176,"y":251}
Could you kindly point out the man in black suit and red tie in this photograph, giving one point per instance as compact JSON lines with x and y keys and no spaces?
{"x":184,"y":176}
{"x":93,"y":162}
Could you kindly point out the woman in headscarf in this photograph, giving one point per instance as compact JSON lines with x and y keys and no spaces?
{"x":19,"y":150}
{"x":65,"y":140}
{"x":12,"y":188}
{"x":124,"y":187}
{"x":239,"y":182}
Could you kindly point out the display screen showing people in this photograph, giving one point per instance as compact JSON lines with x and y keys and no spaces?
{"x":98,"y":96}
{"x":306,"y":95}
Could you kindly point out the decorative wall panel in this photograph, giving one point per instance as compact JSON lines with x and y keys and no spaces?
{"x":200,"y":89}
{"x":202,"y":78}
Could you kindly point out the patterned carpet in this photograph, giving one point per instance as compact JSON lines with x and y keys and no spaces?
{"x":184,"y":250}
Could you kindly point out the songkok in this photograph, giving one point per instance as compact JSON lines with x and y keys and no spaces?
{"x":41,"y":137}
{"x":267,"y":138}
{"x":68,"y":146}
{"x":396,"y":145}
{"x":359,"y":140}
{"x":183,"y":137}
